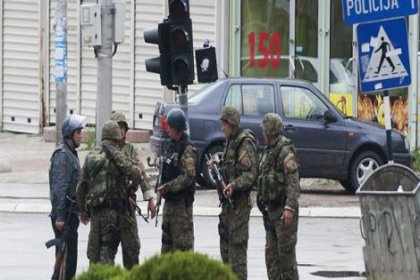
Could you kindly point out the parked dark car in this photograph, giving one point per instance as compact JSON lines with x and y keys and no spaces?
{"x":329,"y":144}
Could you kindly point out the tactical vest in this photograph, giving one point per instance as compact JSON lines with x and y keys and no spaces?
{"x":271,"y":177}
{"x":171,"y":170}
{"x":230,"y":166}
{"x":105,"y":182}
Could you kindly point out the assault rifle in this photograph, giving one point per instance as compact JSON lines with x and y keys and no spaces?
{"x":61,"y":244}
{"x":158,"y":184}
{"x":132,"y":201}
{"x":219,"y":179}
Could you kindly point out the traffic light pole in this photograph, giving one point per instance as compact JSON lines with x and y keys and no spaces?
{"x":182,"y":90}
{"x":104,"y":57}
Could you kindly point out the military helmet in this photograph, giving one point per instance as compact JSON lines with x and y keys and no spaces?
{"x":119,"y":117}
{"x":230,"y":115}
{"x":111,"y":131}
{"x":272,"y":124}
{"x":72,"y":123}
{"x":176,"y":119}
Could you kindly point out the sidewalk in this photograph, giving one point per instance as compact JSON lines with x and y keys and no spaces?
{"x":24,"y":163}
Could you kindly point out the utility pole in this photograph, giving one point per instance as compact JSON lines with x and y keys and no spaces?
{"x":104,"y":57}
{"x":60,"y":62}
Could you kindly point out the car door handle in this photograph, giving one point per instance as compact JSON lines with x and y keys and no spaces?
{"x":289,"y":127}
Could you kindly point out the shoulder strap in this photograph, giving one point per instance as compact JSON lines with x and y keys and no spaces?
{"x":182,"y":146}
{"x":283,"y":142}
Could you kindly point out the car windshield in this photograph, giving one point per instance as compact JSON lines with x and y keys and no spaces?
{"x":202,"y":93}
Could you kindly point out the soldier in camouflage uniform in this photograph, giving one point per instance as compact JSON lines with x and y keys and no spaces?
{"x":277,"y":198}
{"x":130,"y":242}
{"x":239,"y":170}
{"x":102,"y":193}
{"x":178,"y":187}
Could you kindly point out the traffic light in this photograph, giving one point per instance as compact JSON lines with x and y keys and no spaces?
{"x":161,"y":64}
{"x":206,"y":64}
{"x":181,"y":42}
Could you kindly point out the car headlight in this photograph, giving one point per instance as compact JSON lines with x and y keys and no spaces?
{"x":406,"y":143}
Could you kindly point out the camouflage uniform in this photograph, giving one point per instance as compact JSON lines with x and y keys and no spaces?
{"x":239,"y":167}
{"x":278,"y":189}
{"x":130,"y":241}
{"x":178,"y":180}
{"x":103,"y":191}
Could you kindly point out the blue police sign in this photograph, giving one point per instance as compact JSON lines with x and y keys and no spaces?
{"x":355,"y":11}
{"x":383,"y":55}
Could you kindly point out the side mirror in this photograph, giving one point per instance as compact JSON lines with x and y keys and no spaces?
{"x":329,"y":117}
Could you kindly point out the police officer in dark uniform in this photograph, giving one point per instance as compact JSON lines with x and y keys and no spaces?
{"x":63,"y":176}
{"x":178,"y":186}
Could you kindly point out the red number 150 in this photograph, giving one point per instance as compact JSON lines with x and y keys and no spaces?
{"x":273,"y":53}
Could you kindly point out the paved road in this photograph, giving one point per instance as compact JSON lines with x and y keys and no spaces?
{"x":325,"y":246}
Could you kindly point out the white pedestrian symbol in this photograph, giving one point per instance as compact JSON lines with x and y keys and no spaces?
{"x":382,"y":51}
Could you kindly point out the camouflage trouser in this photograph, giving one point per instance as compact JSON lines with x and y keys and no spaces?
{"x":234,"y":233}
{"x":177,"y":226}
{"x":103,"y":236}
{"x":280,"y":248}
{"x":130,"y":242}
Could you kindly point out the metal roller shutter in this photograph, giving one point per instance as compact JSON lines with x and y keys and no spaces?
{"x":21,"y":67}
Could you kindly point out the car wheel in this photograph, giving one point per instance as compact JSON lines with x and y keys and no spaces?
{"x":217,"y":152}
{"x":362,"y":166}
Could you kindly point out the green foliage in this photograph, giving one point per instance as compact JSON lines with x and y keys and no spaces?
{"x":178,"y":265}
{"x":416,"y":160}
{"x":103,"y":272}
{"x":181,"y":265}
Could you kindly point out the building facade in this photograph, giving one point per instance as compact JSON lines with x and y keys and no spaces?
{"x":305,"y":39}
